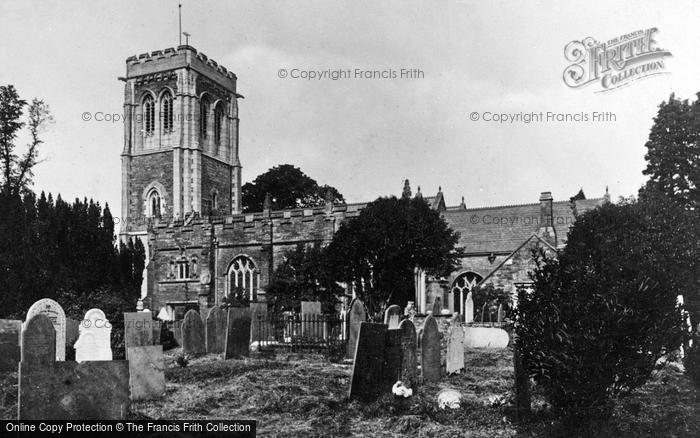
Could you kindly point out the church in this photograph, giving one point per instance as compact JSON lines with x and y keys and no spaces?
{"x":181,"y":195}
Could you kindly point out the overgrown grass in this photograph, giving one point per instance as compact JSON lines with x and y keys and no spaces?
{"x":309,"y":398}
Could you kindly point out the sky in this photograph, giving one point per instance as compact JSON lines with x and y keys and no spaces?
{"x":363,"y":135}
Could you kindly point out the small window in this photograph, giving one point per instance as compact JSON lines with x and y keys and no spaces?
{"x":154,"y":205}
{"x":214,"y":201}
{"x":183,"y":269}
{"x":203,"y":116}
{"x":167,"y":112}
{"x":148,"y":109}
{"x":218,"y":123}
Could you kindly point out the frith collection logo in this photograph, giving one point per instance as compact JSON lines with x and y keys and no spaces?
{"x":615,"y":63}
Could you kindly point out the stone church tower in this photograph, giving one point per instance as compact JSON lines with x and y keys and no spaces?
{"x":180,"y":152}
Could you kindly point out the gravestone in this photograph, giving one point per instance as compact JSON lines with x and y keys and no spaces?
{"x":469,"y":309}
{"x":523,"y":402}
{"x":10,"y":330}
{"x":146,"y":372}
{"x":55,"y":313}
{"x":409,"y":363}
{"x":437,"y":307}
{"x":356,"y":315}
{"x":392,"y":316}
{"x":38,"y":342}
{"x":237,"y":333}
{"x":94,"y":341}
{"x":430,"y":350}
{"x":368,"y":377}
{"x":193,"y":341}
{"x":392,"y":360}
{"x":455,"y":349}
{"x":216,"y":330}
{"x":157,"y":328}
{"x":259,"y":328}
{"x":138,"y":330}
{"x":500,"y":313}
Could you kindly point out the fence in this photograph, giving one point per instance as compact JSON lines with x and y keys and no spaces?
{"x":298,"y":332}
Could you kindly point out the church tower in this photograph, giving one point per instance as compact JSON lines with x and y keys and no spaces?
{"x":180,"y":152}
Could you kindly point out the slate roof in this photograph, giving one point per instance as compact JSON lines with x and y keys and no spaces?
{"x":505,"y":228}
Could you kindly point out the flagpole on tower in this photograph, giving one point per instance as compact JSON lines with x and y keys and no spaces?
{"x":179,"y":11}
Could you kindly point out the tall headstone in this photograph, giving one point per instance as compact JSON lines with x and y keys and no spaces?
{"x":392,"y":316}
{"x":55,"y":313}
{"x":138,"y":330}
{"x":469,"y":309}
{"x":430,"y":350}
{"x":216,"y":330}
{"x":409,"y":364}
{"x":193,"y":341}
{"x":392,"y":359}
{"x":10,"y":330}
{"x":146,"y":372}
{"x":38,"y":342}
{"x":455,"y":349}
{"x":237,"y":333}
{"x":259,"y":328}
{"x":500,"y":313}
{"x":368,"y":377}
{"x":356,"y":316}
{"x":94,"y":341}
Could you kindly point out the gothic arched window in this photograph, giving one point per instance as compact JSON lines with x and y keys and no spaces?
{"x":203,"y":116}
{"x":166,"y":111}
{"x":243,"y":273}
{"x":149,"y":115}
{"x":153,"y":203}
{"x":462,"y":285}
{"x":214,"y":200}
{"x":218,"y":123}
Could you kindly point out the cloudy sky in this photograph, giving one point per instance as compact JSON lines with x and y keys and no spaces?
{"x":363,"y":136}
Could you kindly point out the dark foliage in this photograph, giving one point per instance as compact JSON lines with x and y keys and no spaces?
{"x":492,"y":297}
{"x":287,"y":187}
{"x":237,"y":298}
{"x":603,"y":313}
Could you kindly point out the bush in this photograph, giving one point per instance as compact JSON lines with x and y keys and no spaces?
{"x":600,"y":316}
{"x":691,"y":361}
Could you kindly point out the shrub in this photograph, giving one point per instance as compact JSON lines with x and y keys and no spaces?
{"x":600,"y":316}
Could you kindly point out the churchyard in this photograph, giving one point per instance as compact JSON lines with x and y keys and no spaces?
{"x":457,"y":378}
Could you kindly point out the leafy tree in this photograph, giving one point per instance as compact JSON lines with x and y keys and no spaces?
{"x":303,"y":276}
{"x":601,"y":314}
{"x":492,"y":297}
{"x":378,"y":250}
{"x":288,"y":187}
{"x":17,"y":171}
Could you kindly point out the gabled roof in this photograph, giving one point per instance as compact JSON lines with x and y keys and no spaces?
{"x":504,"y":228}
{"x":510,"y":256}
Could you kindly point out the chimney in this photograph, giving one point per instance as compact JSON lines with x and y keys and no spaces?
{"x":546,"y":230}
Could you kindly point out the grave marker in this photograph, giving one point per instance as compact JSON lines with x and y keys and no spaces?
{"x":38,"y":342}
{"x":94,"y":340}
{"x":368,"y":365}
{"x":392,"y":316}
{"x":430,"y":350}
{"x":409,"y":363}
{"x":138,"y":330}
{"x":146,"y":372}
{"x":55,"y":313}
{"x":237,"y":333}
{"x":469,"y":309}
{"x":455,"y":349}
{"x":216,"y":330}
{"x":356,"y":316}
{"x":193,"y":341}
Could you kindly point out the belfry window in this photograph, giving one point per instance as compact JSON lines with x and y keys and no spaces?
{"x":218,"y":123}
{"x":153,"y":203}
{"x":149,"y":120}
{"x":245,"y":275}
{"x":183,"y":269}
{"x":166,"y":111}
{"x":203,"y":116}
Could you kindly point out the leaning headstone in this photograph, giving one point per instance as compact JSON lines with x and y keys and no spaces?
{"x":430,"y":350}
{"x":94,"y":342}
{"x":55,"y":313}
{"x":455,"y":349}
{"x":10,"y":330}
{"x":38,"y":342}
{"x":469,"y":309}
{"x":356,"y":315}
{"x":392,"y":316}
{"x":193,"y":341}
{"x":237,"y":333}
{"x":216,"y":330}
{"x":367,"y":378}
{"x":409,"y":364}
{"x":146,"y":372}
{"x":138,"y":330}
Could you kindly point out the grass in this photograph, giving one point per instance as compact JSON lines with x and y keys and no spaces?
{"x":308,"y":398}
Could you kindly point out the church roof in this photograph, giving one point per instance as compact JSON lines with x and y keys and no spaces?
{"x":505,"y":228}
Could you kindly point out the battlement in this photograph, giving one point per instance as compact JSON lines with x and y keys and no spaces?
{"x":177,"y":58}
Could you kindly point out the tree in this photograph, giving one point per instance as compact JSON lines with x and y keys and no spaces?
{"x":288,"y":187}
{"x":17,"y":172}
{"x":673,"y":152}
{"x":378,"y":250}
{"x":303,"y":276}
{"x":600,"y":315}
